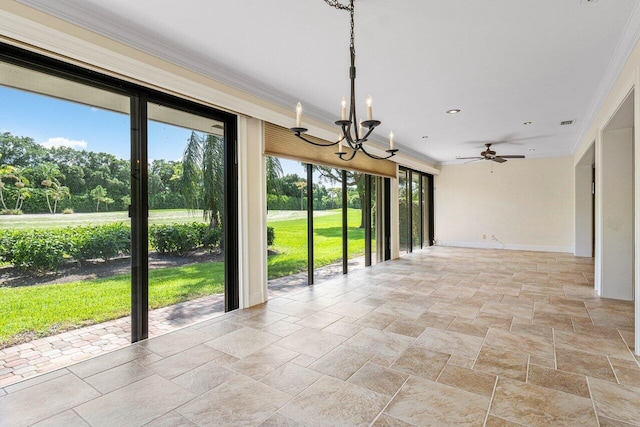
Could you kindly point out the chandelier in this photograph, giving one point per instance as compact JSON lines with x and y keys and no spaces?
{"x":352,"y":135}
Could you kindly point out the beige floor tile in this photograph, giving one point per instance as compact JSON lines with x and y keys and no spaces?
{"x":134,"y":404}
{"x":243,"y":342}
{"x":465,"y":326}
{"x":379,"y":343}
{"x":319,"y":320}
{"x":426,"y":403}
{"x":204,"y":378}
{"x":530,"y":404}
{"x":507,"y":310}
{"x":350,"y":309}
{"x":521,"y":342}
{"x":119,"y":376}
{"x":422,"y":362}
{"x":610,"y":422}
{"x":435,"y":320}
{"x":610,"y":346}
{"x":341,"y":362}
{"x":376,"y":320}
{"x":502,"y":363}
{"x":468,"y":380}
{"x":261,"y":320}
{"x":592,"y":365}
{"x":295,"y":309}
{"x":344,"y":329}
{"x":490,"y":320}
{"x":172,"y":419}
{"x":111,"y":360}
{"x":463,"y":362}
{"x":381,"y":380}
{"x":262,"y":362}
{"x":493,"y":421}
{"x":279,"y":420}
{"x":401,"y":310}
{"x":239,"y":401}
{"x":281,"y":328}
{"x":615,"y":401}
{"x":180,"y":363}
{"x":66,"y":419}
{"x":450,"y":342}
{"x":180,"y":340}
{"x":385,"y":420}
{"x":405,"y":328}
{"x":559,"y":380}
{"x":52,"y":397}
{"x":291,"y":378}
{"x":311,"y":342}
{"x":628,"y":376}
{"x":331,"y":402}
{"x":541,"y":361}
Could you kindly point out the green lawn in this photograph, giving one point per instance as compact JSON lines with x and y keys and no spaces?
{"x":41,"y":221}
{"x":36,"y":311}
{"x":43,"y":310}
{"x":291,"y":239}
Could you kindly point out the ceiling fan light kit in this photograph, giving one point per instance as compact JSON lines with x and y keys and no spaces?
{"x":354,"y":136}
{"x":489,"y":154}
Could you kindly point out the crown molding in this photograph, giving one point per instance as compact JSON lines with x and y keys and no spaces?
{"x":626,"y":45}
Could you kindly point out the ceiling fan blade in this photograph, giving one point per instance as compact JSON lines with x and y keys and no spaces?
{"x":474,"y":160}
{"x":514,"y":156}
{"x":469,"y":158}
{"x":499,"y":159}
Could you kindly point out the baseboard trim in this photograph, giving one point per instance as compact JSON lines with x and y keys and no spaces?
{"x":508,"y":246}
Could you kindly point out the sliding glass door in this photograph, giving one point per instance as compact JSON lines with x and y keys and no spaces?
{"x":415,"y":198}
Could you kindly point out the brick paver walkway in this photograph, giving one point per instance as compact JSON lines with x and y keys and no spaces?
{"x":57,"y":351}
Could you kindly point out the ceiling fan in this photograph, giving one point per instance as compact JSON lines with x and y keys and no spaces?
{"x":490,"y":154}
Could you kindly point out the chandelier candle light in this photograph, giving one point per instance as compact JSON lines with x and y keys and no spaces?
{"x":354,"y":135}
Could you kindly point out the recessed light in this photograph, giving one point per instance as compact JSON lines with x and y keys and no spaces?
{"x":454,"y":111}
{"x":532,"y":149}
{"x":526,"y":123}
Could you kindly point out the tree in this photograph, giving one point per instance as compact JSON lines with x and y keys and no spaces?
{"x":274,"y":172}
{"x":54,"y":190}
{"x":354,"y":179}
{"x":202,"y":180}
{"x":99,"y":193}
{"x":301,"y":186}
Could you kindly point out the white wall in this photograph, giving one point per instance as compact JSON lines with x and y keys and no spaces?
{"x":526,"y":204}
{"x":615,"y":198}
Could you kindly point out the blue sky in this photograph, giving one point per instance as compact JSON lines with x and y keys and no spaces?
{"x":51,"y":122}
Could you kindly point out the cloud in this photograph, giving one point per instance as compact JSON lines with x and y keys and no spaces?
{"x":60,"y":141}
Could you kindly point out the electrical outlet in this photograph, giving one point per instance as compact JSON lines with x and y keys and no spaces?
{"x":484,"y":237}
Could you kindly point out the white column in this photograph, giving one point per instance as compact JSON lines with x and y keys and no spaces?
{"x":636,"y":207}
{"x":252,"y":213}
{"x":617,"y":214}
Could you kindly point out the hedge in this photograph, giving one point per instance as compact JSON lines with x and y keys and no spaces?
{"x":46,"y":250}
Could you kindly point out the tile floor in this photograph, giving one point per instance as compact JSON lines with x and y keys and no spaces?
{"x":443,"y":336}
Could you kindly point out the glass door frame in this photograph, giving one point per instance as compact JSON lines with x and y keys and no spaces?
{"x":139,"y":210}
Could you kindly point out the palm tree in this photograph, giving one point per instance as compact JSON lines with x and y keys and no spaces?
{"x":274,"y":171}
{"x":202,"y":180}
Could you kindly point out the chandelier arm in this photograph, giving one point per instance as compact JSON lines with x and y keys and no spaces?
{"x":338,"y":5}
{"x":373,"y":156}
{"x":316,"y":143}
{"x":353,"y":154}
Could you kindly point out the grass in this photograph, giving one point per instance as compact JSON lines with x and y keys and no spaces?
{"x":36,"y":311}
{"x":291,"y":240}
{"x":43,"y":221}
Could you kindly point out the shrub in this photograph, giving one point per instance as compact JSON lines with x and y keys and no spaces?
{"x":67,"y":211}
{"x":271,"y":236}
{"x":39,"y":251}
{"x":178,"y":238}
{"x":212,"y":237}
{"x":100,"y":241}
{"x":11,"y":212}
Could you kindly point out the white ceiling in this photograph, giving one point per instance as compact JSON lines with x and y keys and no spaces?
{"x":502,"y":62}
